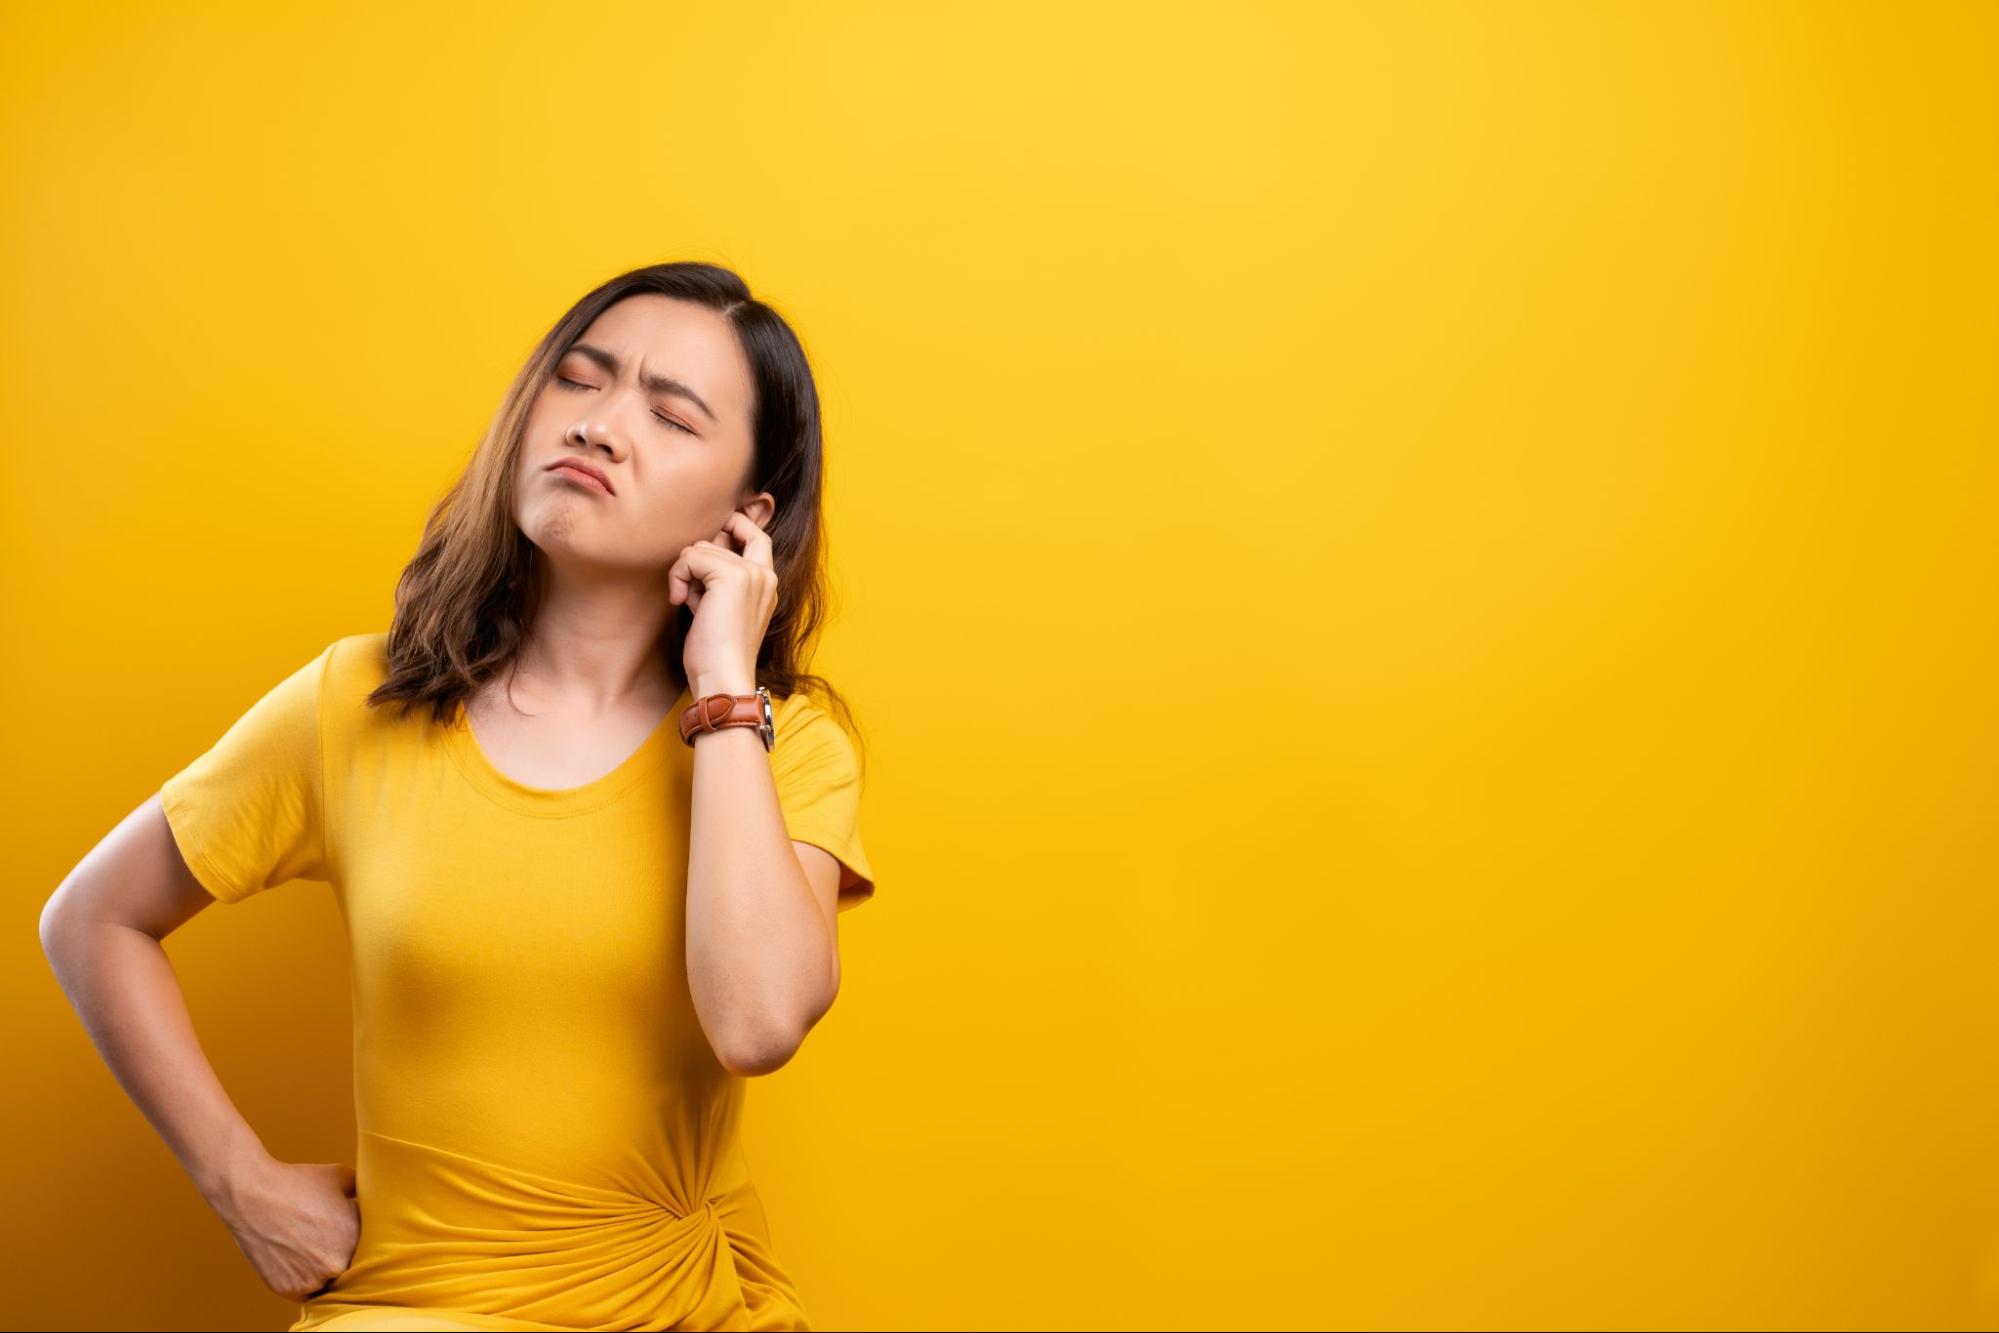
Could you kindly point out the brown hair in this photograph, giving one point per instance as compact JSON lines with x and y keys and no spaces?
{"x":465,"y":601}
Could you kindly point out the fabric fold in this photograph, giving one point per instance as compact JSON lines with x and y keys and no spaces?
{"x":496,"y":1246}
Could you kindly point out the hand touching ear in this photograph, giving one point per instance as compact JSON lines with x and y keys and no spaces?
{"x":733,"y":591}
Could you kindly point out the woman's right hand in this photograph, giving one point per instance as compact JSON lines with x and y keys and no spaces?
{"x":298,"y":1223}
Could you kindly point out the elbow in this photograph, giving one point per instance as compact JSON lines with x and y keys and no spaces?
{"x":762,"y":1048}
{"x":50,"y":927}
{"x":765,"y":1043}
{"x":61,"y":913}
{"x":58,"y":936}
{"x":750,"y":1057}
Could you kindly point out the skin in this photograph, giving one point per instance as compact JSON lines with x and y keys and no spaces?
{"x":591,"y":684}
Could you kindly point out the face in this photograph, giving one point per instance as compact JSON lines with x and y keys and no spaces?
{"x":668,"y":415}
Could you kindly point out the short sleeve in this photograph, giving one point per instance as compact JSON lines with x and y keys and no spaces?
{"x":817,"y":773}
{"x":249,"y":813}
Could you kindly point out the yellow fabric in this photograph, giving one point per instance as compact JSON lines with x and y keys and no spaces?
{"x":547,"y":1141}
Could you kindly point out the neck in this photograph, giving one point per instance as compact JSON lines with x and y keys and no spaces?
{"x":600,"y":641}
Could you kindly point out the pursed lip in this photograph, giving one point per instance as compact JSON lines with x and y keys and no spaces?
{"x":582,"y":466}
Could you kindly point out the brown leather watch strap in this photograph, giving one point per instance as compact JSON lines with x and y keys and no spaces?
{"x":712,"y":712}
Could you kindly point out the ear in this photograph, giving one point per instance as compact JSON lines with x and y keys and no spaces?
{"x":760,"y":507}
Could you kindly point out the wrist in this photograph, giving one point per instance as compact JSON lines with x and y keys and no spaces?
{"x":725,"y":703}
{"x":741,"y":681}
{"x":224,"y":1182}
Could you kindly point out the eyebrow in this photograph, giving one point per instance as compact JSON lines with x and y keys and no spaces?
{"x":654,"y":381}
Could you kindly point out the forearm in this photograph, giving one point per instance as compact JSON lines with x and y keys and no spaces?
{"x":761,"y":955}
{"x":123,"y":986}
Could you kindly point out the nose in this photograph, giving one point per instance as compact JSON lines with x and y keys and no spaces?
{"x":614,"y":417}
{"x":593,"y":433}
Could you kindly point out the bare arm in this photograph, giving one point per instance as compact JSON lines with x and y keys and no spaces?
{"x":763,"y":952}
{"x":101,"y":931}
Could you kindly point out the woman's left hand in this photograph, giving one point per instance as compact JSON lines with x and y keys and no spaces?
{"x":734,"y":599}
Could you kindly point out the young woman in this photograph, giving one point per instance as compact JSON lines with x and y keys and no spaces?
{"x":587,"y":892}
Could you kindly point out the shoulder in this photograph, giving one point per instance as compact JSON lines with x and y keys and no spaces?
{"x":357,"y":662}
{"x":794,"y":708}
{"x":808,"y":736}
{"x":354,"y":665}
{"x":801,"y":715}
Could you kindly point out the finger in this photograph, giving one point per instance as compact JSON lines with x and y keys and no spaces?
{"x":725,"y":559}
{"x":756,"y":542}
{"x":676,"y":580}
{"x":700,"y":562}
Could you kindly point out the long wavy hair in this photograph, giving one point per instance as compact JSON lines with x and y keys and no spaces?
{"x":465,"y":602}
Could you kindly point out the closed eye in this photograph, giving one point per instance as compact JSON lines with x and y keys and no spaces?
{"x":571,"y":384}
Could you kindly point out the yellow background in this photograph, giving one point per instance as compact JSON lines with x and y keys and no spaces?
{"x":1419,"y":579}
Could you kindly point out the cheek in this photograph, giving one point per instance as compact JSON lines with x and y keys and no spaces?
{"x":666,"y":523}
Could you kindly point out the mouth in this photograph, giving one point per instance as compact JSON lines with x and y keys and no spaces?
{"x":582,"y":474}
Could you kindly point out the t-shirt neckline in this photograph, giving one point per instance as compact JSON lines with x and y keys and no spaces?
{"x":640,"y":764}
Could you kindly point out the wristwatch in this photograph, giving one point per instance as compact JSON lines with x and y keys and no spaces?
{"x":712,"y":712}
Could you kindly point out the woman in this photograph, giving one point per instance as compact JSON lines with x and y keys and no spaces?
{"x":580,"y":916}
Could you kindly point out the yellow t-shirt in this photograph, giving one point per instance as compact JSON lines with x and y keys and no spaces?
{"x":547,"y":1141}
